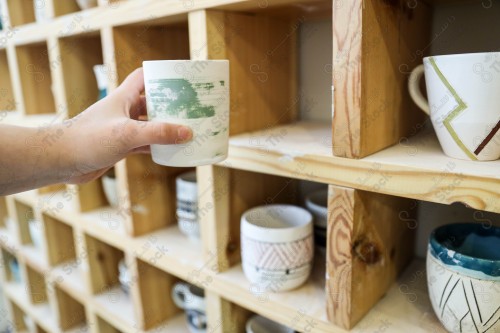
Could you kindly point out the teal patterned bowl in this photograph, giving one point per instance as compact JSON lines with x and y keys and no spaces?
{"x":463,"y":275}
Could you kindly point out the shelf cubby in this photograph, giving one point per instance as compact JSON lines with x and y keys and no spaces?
{"x":7,"y":100}
{"x":37,"y":287}
{"x":71,"y":313}
{"x":17,"y":323}
{"x":152,"y":195}
{"x":60,"y":241}
{"x":63,"y":7}
{"x":36,"y":81}
{"x":104,"y":327}
{"x":8,"y":264}
{"x":24,"y":214}
{"x":21,"y":12}
{"x":155,"y":40}
{"x":79,"y":54}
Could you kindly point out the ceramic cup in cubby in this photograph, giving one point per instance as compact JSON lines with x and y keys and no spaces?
{"x":102,"y":80}
{"x":36,"y":232}
{"x":187,"y":204}
{"x":464,"y":103}
{"x":14,"y":270}
{"x":259,"y":324}
{"x":192,"y":300}
{"x":86,"y":4}
{"x":317,"y":204}
{"x":277,"y":246}
{"x":463,"y":275}
{"x":124,"y":276}
{"x":194,"y":94}
{"x":110,"y":188}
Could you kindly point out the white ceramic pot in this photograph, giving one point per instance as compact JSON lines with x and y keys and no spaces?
{"x":277,"y":246}
{"x":124,"y":276}
{"x":187,"y":204}
{"x":192,"y":300}
{"x":36,"y":232}
{"x":110,"y":187}
{"x":259,"y":324}
{"x":463,"y":275}
{"x":86,"y":4}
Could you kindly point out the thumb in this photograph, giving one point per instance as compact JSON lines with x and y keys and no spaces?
{"x":148,"y":132}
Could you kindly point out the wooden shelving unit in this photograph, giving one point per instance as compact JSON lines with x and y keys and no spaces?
{"x":369,"y":280}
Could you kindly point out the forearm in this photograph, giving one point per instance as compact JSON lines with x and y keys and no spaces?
{"x":32,"y":157}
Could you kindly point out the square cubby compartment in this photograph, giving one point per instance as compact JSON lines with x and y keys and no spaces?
{"x":36,"y":81}
{"x":37,"y":287}
{"x":156,"y":306}
{"x":25,"y":215}
{"x":70,"y":313}
{"x":21,"y":11}
{"x":7,"y":101}
{"x":60,"y":241}
{"x":110,"y":297}
{"x":155,"y":40}
{"x":152,"y":194}
{"x":104,"y":326}
{"x":63,"y":7}
{"x":19,"y":321}
{"x":11,"y":267}
{"x":79,"y":55}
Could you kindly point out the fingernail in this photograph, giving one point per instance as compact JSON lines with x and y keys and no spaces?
{"x":184,"y":134}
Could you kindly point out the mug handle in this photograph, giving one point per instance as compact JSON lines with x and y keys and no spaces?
{"x":179,"y":294}
{"x":414,"y":89}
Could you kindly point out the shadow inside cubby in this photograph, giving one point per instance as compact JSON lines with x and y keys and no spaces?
{"x":18,"y":323}
{"x":79,"y":55}
{"x":71,"y":313}
{"x":36,"y":81}
{"x":21,"y":12}
{"x":157,"y":308}
{"x":60,"y":241}
{"x":63,"y":7}
{"x":155,"y":40}
{"x":37,"y":290}
{"x":7,"y":100}
{"x":25,"y":214}
{"x":104,"y":327}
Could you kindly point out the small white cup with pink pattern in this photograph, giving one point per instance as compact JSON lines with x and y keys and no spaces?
{"x":277,"y":246}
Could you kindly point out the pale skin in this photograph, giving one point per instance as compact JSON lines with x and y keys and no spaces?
{"x":85,"y":147}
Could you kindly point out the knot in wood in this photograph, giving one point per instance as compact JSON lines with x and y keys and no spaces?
{"x":367,"y":252}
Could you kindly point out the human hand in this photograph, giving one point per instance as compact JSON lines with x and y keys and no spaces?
{"x":110,"y":129}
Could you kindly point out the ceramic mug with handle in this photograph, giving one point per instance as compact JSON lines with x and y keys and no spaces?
{"x":192,"y":300}
{"x":464,"y":102}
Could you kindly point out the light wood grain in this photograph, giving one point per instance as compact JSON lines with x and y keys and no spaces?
{"x":36,"y":285}
{"x":35,"y":77}
{"x":366,"y":251}
{"x":224,"y":316}
{"x":375,"y":46}
{"x":7,"y":101}
{"x":63,"y":7}
{"x":20,"y":12}
{"x":60,"y":241}
{"x":70,"y":312}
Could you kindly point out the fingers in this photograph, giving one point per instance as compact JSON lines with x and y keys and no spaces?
{"x":139,"y":111}
{"x":133,"y":85}
{"x":147,"y":133}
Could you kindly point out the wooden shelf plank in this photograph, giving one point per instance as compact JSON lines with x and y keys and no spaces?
{"x":417,"y":168}
{"x":405,"y":308}
{"x":116,"y":307}
{"x":69,"y":277}
{"x":35,"y":257}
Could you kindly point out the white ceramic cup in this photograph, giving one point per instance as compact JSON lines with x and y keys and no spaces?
{"x":277,"y":246}
{"x":463,"y":276}
{"x":464,"y":102}
{"x":36,"y":232}
{"x":102,"y":80}
{"x":259,"y":324}
{"x":187,"y":204}
{"x":86,"y":4}
{"x":195,"y":94}
{"x":192,"y":300}
{"x":317,"y":204}
{"x":110,"y":188}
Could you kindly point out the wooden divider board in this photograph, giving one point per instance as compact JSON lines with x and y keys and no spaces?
{"x":224,"y":316}
{"x":376,"y":44}
{"x":369,"y":245}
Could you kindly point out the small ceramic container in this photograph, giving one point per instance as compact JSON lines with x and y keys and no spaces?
{"x":14,"y":270}
{"x":192,"y":300}
{"x":187,"y":204}
{"x":259,"y":324}
{"x":277,"y":246}
{"x":110,"y":187}
{"x":86,"y":4}
{"x":102,"y":80}
{"x":463,"y":275}
{"x":124,"y":276}
{"x":36,"y":230}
